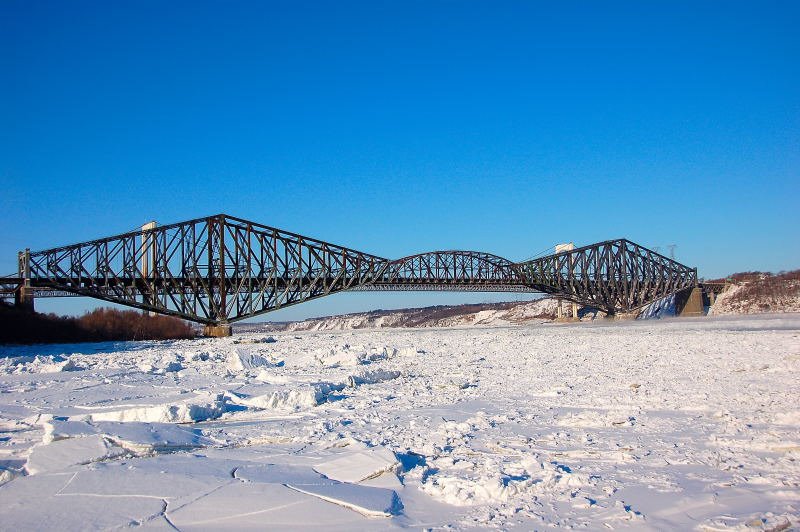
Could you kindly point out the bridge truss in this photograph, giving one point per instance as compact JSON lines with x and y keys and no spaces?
{"x":222,"y":269}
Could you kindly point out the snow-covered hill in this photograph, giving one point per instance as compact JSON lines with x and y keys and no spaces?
{"x":440,"y":316}
{"x":760,"y":292}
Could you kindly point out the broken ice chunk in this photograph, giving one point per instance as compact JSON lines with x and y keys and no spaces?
{"x":281,"y":474}
{"x":133,"y":436}
{"x":359,"y":465}
{"x":299,"y":398}
{"x":243,"y":359}
{"x":202,"y":407}
{"x":407,"y":351}
{"x":372,"y":502}
{"x":73,"y":451}
{"x":371,"y":377}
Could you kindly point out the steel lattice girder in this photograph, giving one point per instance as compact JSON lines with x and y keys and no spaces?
{"x":616,"y":275}
{"x":224,"y":269}
{"x":209,"y":270}
{"x":452,"y":268}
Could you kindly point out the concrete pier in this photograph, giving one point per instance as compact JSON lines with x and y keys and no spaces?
{"x":693,"y":304}
{"x":562,"y":315}
{"x":218,"y":331}
{"x":23,"y":298}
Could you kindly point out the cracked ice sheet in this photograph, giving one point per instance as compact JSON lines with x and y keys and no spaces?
{"x":125,"y":485}
{"x":367,"y":500}
{"x":136,"y":437}
{"x":62,"y":454}
{"x":577,"y":425}
{"x":34,"y":503}
{"x":196,"y":492}
{"x":267,"y":506}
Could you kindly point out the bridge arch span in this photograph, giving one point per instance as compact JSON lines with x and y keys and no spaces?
{"x":452,"y":267}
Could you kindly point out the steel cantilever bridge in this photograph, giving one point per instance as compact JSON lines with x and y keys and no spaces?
{"x":221,"y":269}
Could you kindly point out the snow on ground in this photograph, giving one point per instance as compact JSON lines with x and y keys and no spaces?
{"x":674,"y":424}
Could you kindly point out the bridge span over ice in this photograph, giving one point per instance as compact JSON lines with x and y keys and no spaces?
{"x":221,"y":269}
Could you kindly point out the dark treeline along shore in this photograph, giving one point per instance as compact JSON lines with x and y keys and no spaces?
{"x":104,"y":324}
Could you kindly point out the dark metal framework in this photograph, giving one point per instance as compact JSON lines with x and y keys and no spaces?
{"x":616,"y":275}
{"x":455,"y":269}
{"x":714,"y":287}
{"x":222,"y":269}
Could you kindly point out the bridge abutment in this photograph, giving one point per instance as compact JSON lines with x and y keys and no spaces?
{"x":218,"y":331}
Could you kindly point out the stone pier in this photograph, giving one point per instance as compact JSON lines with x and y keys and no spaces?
{"x":561,"y":314}
{"x":692,"y":305}
{"x":218,"y":331}
{"x":23,"y":298}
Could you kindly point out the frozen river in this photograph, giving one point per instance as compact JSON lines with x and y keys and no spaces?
{"x":671,"y":424}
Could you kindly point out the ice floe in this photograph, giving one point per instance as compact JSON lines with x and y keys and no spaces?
{"x":243,"y":359}
{"x":373,"y":502}
{"x":359,"y":465}
{"x":139,"y":437}
{"x":61,"y":454}
{"x":201,"y":407}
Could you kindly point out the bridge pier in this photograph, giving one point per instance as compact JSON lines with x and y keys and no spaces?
{"x":23,"y":298}
{"x":562,"y":315}
{"x":218,"y":331}
{"x":690,"y":303}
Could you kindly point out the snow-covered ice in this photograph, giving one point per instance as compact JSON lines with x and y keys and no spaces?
{"x":668,"y":424}
{"x":359,"y":465}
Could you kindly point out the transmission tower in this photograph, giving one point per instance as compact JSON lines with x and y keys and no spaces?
{"x":672,"y":250}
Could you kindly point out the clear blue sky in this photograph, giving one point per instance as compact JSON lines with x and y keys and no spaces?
{"x":399,"y":127}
